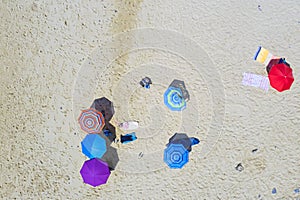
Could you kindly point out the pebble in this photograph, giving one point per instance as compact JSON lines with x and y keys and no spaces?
{"x":274,"y":191}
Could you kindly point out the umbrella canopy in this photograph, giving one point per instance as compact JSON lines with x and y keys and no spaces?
{"x":105,"y":106}
{"x":176,"y":156}
{"x":91,"y":121}
{"x":281,"y":77}
{"x":174,"y":100}
{"x":180,"y":84}
{"x":95,"y":172}
{"x":93,"y":146}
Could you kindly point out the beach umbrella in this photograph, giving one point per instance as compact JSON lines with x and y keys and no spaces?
{"x":93,"y":146}
{"x":281,"y":77}
{"x":180,"y":84}
{"x":91,"y":121}
{"x":105,"y":106}
{"x":176,"y":156}
{"x":174,"y":100}
{"x":95,"y":172}
{"x":276,"y":61}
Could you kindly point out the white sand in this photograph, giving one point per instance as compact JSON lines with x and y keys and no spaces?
{"x":54,"y":62}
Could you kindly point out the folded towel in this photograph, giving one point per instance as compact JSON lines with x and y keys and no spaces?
{"x":263,"y":56}
{"x":256,"y":80}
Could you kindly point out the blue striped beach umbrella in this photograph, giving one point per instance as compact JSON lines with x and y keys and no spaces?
{"x":176,"y":155}
{"x":174,"y":100}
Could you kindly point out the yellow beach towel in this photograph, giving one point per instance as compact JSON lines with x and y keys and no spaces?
{"x":263,"y":56}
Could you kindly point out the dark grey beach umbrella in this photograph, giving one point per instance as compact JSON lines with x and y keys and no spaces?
{"x":105,"y":106}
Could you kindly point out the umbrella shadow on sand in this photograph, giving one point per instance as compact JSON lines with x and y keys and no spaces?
{"x":182,"y":138}
{"x":109,"y":132}
{"x":105,"y":106}
{"x":180,"y":84}
{"x":111,"y":157}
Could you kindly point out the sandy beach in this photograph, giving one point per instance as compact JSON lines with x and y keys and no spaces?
{"x":58,"y":56}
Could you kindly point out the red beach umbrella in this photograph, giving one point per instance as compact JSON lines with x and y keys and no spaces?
{"x":91,"y":121}
{"x":281,"y":77}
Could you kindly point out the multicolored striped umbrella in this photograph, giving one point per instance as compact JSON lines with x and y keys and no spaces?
{"x":174,"y":100}
{"x":91,"y":121}
{"x":176,"y":156}
{"x":95,"y":172}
